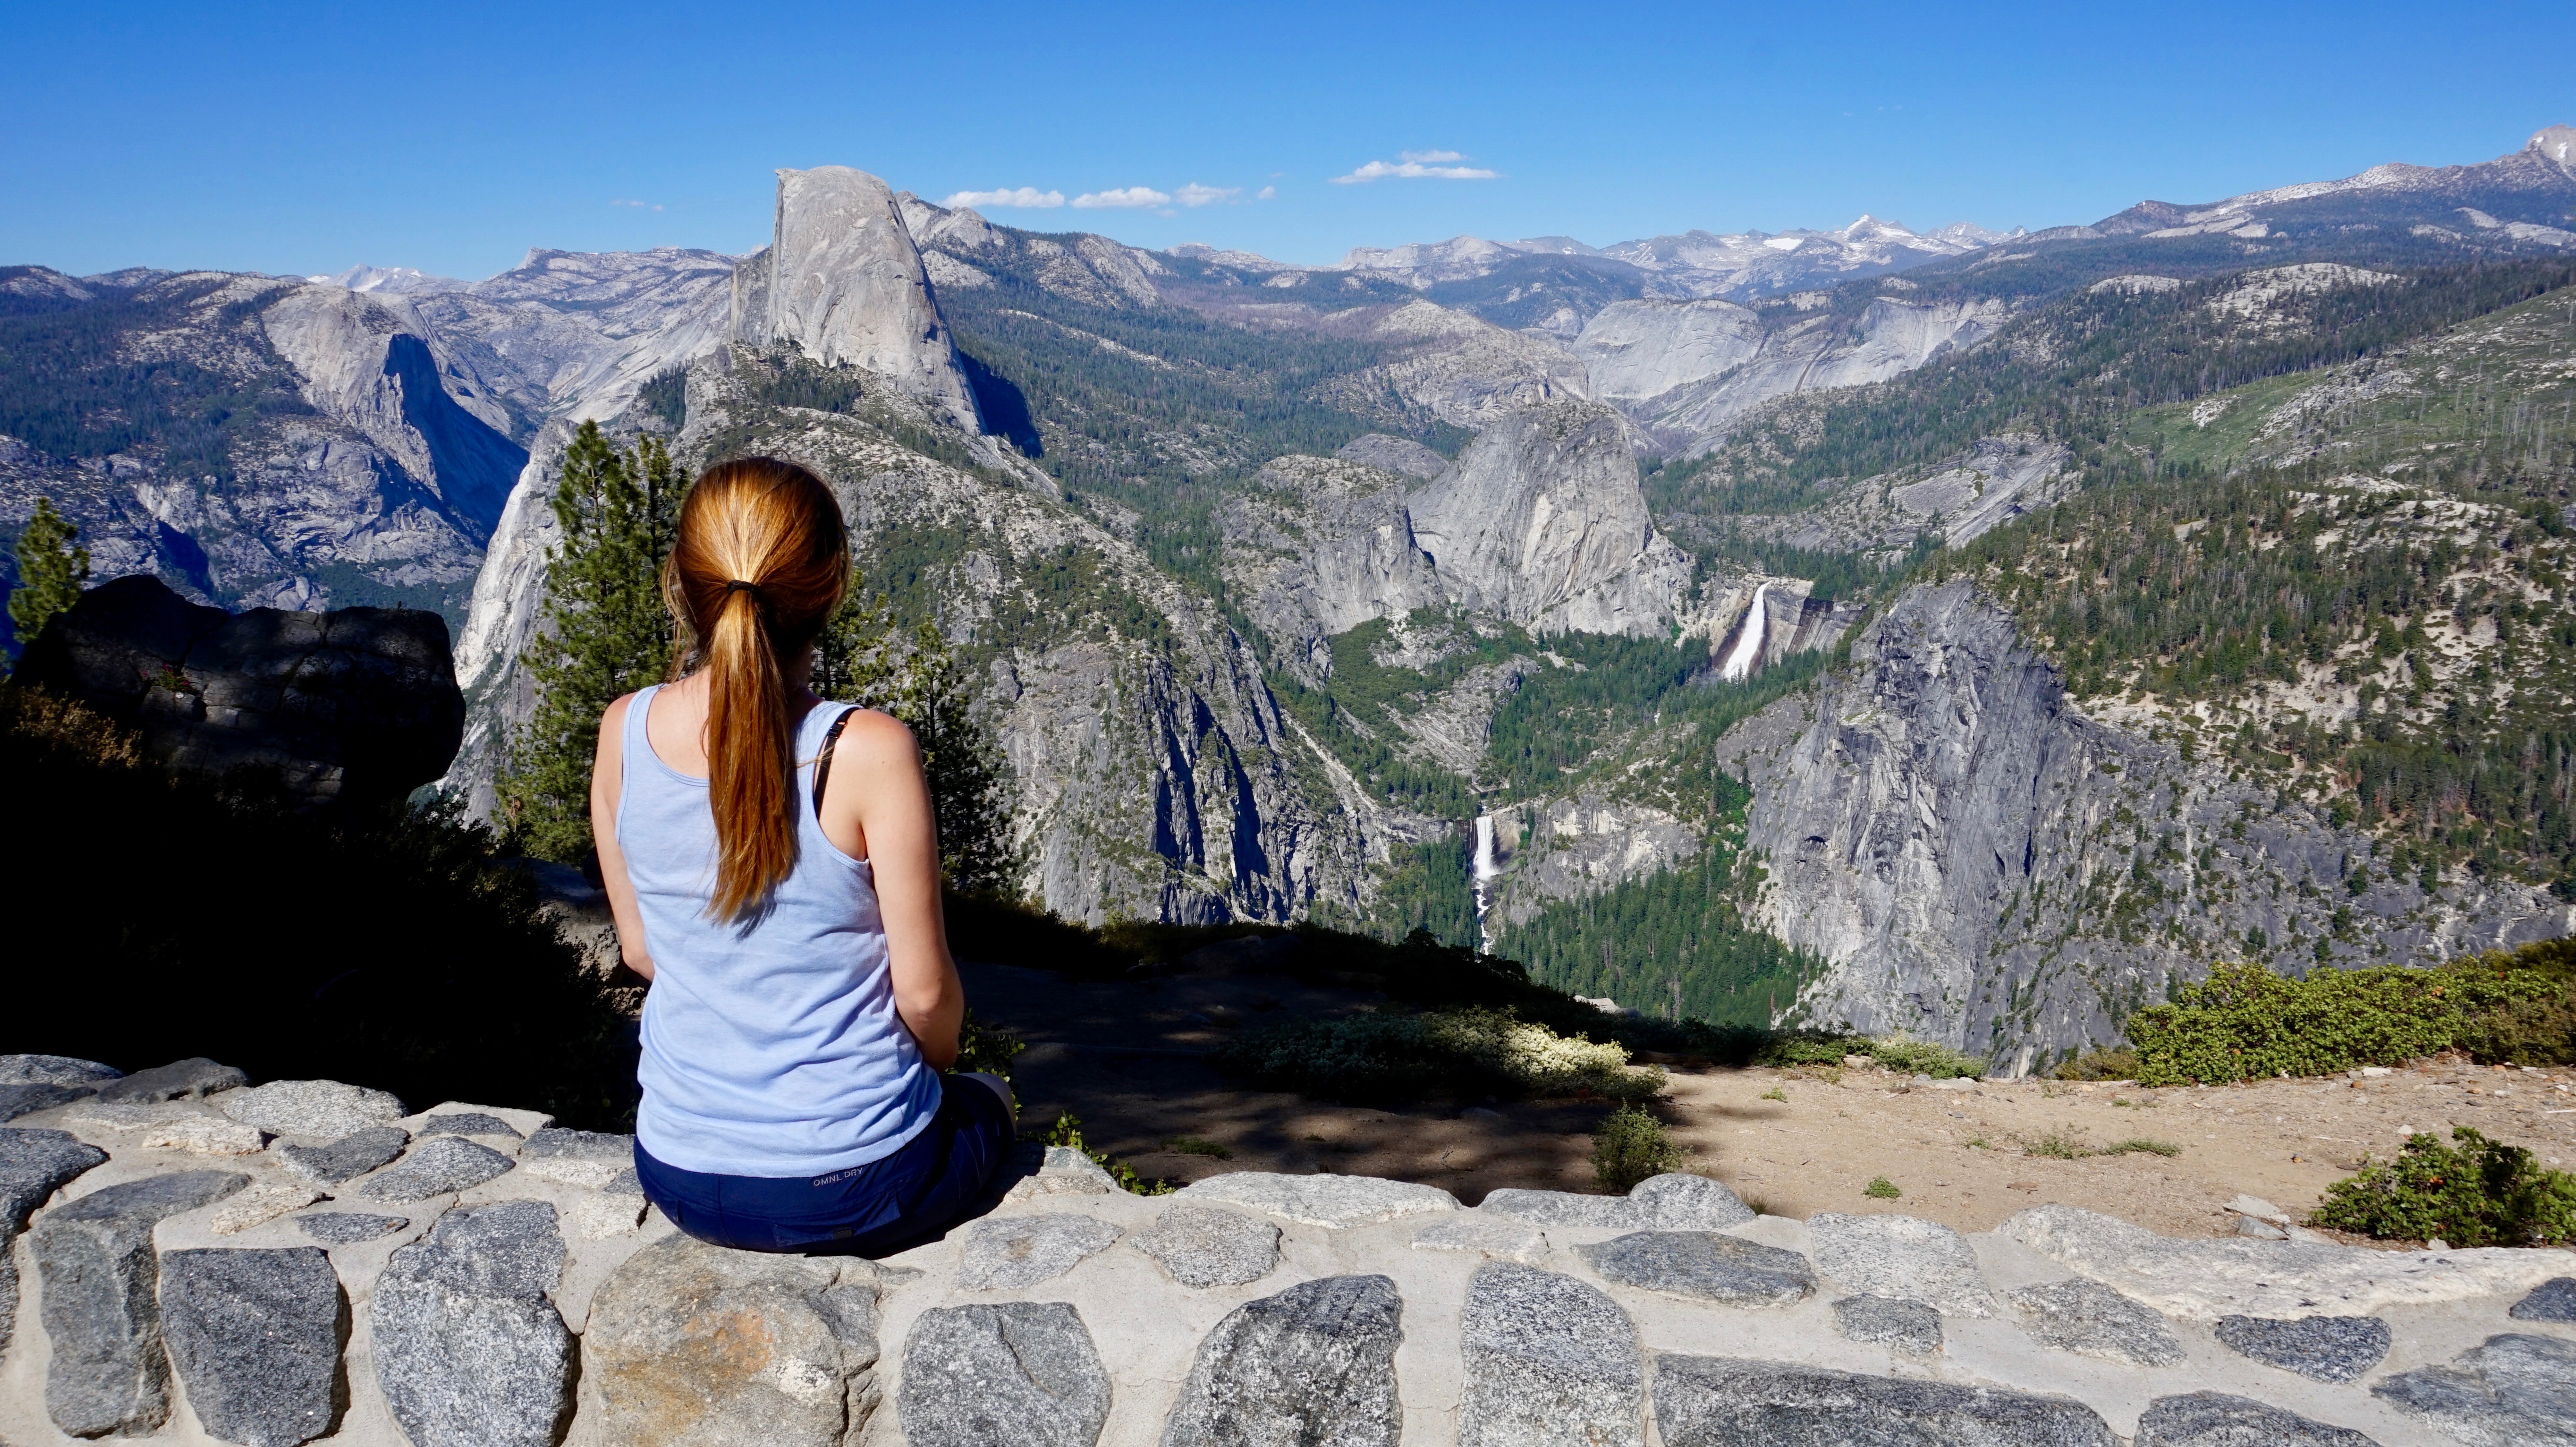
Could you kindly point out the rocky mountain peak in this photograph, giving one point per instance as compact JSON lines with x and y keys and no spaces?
{"x":401,"y":280}
{"x":2555,"y":143}
{"x":842,"y":282}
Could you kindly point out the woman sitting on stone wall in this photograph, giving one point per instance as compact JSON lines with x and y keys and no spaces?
{"x":774,"y":869}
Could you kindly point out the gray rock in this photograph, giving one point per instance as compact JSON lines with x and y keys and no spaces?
{"x":2510,"y":1391}
{"x":846,"y":286}
{"x":554,"y":1142}
{"x":1724,"y":1402}
{"x":689,"y":1343}
{"x":349,"y":1228}
{"x":2322,"y":1348}
{"x":1901,"y":1256}
{"x":1320,"y":1200}
{"x":1477,"y":1236}
{"x":1562,"y":1208}
{"x":2255,"y":1229}
{"x":1008,"y":1254}
{"x":449,"y":1163}
{"x":33,"y":1165}
{"x":192,"y":1079}
{"x":54,"y":1070}
{"x":256,"y":1336}
{"x":101,"y":1312}
{"x":2093,"y":1320}
{"x":1549,"y":1359}
{"x":1203,"y":1246}
{"x":1395,"y":454}
{"x":325,"y":1109}
{"x":18,"y":1100}
{"x":1904,"y":1326}
{"x":1542,"y":521}
{"x":2551,"y":1300}
{"x":1681,"y":1201}
{"x":624,"y":1183}
{"x":1058,"y":1171}
{"x":1313,"y":1364}
{"x":469,"y":1352}
{"x":350,"y":1156}
{"x":1705,"y":1265}
{"x":2212,"y":1277}
{"x":1015,"y":1372}
{"x":468,"y":1122}
{"x":2215,"y":1419}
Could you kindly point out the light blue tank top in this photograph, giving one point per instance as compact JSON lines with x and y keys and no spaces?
{"x":772,"y":1048}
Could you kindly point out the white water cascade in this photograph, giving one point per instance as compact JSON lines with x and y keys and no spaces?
{"x":1748,"y":645}
{"x":1485,"y":870}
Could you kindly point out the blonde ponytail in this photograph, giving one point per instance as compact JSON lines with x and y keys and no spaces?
{"x":759,"y":564}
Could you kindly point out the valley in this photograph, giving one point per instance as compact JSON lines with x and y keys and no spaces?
{"x":1958,"y":633}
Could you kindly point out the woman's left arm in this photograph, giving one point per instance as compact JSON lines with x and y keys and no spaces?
{"x":885,"y":812}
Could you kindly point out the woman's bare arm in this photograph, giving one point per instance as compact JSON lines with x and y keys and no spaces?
{"x":607,"y":777}
{"x":876,"y":806}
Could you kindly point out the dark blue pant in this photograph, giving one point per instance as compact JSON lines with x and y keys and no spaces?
{"x":871,"y":1210}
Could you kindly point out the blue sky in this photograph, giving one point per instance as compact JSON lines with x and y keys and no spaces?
{"x":299,"y":139}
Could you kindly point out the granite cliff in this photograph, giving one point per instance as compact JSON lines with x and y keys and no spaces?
{"x":1981,"y":863}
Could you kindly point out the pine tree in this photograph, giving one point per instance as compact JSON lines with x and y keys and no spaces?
{"x":959,"y":759}
{"x":606,"y":632}
{"x":855,"y":661}
{"x":50,"y":571}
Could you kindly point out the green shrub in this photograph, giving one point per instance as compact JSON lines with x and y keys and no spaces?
{"x":1881,"y":1188}
{"x":1629,"y":1147}
{"x":2058,"y":1146}
{"x":1067,"y":1131}
{"x":1193,"y":1146}
{"x":2245,"y":1021}
{"x":1922,"y":1057}
{"x":2115,"y":1062}
{"x":2479,"y":1193}
{"x":2137,"y":1145}
{"x":988,"y":1048}
{"x":1394,"y":1057}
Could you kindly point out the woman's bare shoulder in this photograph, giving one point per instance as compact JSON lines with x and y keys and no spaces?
{"x":874,"y":732}
{"x":615,"y":713}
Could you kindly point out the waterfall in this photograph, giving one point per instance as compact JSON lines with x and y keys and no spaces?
{"x":1748,"y":644}
{"x":1485,"y":869}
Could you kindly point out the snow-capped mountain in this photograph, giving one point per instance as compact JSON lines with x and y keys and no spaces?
{"x":402,"y":280}
{"x":1697,"y":263}
{"x":2527,"y":197}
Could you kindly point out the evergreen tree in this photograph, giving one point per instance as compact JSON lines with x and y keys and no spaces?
{"x":959,"y":759}
{"x":606,"y":632}
{"x":50,"y":571}
{"x":855,"y":661}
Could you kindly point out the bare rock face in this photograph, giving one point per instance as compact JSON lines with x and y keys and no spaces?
{"x":692,"y":1343}
{"x":1321,"y":546}
{"x":1542,"y":522}
{"x":358,"y":706}
{"x":1934,"y":815}
{"x":843,"y":283}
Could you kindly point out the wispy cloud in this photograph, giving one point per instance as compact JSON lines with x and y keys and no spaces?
{"x":1266,"y":193}
{"x":1129,"y":197}
{"x":1028,"y":196}
{"x":1418,"y":165}
{"x":1195,"y":194}
{"x":636,"y":205}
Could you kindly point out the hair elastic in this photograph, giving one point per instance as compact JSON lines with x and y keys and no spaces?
{"x":737,"y":585}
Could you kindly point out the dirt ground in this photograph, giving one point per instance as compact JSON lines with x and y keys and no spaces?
{"x":1131,"y":1060}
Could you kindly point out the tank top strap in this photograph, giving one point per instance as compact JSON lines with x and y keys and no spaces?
{"x":631,"y":745}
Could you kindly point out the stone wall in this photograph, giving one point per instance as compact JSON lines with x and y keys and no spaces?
{"x":194,"y":1259}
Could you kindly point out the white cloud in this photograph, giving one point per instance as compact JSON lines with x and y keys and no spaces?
{"x":1029,"y":196}
{"x":1416,"y":165}
{"x":1195,"y":194}
{"x":1132,"y":197}
{"x":636,"y":205}
{"x":1266,"y":193}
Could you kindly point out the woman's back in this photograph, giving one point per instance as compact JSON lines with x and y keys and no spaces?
{"x":771,"y":1043}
